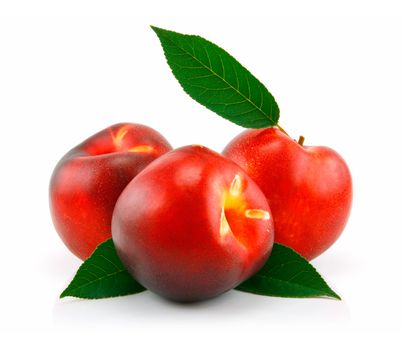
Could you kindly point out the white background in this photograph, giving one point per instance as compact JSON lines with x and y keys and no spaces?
{"x":70,"y":69}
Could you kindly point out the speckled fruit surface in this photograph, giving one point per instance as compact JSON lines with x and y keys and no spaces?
{"x":309,"y":189}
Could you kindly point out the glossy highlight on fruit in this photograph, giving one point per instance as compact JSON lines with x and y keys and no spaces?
{"x":192,"y":225}
{"x":88,"y":180}
{"x":309,"y":189}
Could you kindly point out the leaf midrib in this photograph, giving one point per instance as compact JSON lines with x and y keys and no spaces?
{"x":296,"y":284}
{"x":224,"y":80}
{"x":97,"y":279}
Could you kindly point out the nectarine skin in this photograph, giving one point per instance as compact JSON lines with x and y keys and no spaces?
{"x":192,"y":225}
{"x":309,"y":189}
{"x":88,"y":180}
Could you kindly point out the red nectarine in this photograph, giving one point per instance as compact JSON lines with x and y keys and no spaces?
{"x":192,"y":225}
{"x":309,"y":189}
{"x":88,"y":180}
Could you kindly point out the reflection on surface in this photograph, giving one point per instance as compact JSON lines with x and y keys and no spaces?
{"x":228,"y":309}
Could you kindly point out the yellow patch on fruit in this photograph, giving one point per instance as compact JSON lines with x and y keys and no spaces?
{"x":234,"y":212}
{"x":233,"y":198}
{"x":141,"y":149}
{"x":257,"y":214}
{"x":224,"y":228}
{"x":236,"y":186}
{"x":120,"y":134}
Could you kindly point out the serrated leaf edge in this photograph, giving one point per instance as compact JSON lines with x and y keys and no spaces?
{"x":158,"y":31}
{"x":69,"y":291}
{"x":331,"y":292}
{"x":65,"y":293}
{"x":320,"y":293}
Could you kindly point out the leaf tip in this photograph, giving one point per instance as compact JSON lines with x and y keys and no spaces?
{"x":157,"y":30}
{"x":63,"y":294}
{"x":335,"y":296}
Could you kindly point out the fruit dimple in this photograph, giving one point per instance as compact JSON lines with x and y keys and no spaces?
{"x":119,"y":136}
{"x":257,"y":214}
{"x":234,"y":212}
{"x":141,"y":149}
{"x":118,"y":139}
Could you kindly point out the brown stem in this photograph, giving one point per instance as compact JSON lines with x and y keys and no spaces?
{"x":301,"y":140}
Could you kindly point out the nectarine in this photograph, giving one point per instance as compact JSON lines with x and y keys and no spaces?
{"x":309,"y":189}
{"x":88,"y":180}
{"x":192,"y":225}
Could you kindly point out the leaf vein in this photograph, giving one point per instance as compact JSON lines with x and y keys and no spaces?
{"x":224,"y":80}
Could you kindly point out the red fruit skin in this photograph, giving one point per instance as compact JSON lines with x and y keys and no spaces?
{"x":169,"y":230}
{"x":309,"y":189}
{"x":88,"y":180}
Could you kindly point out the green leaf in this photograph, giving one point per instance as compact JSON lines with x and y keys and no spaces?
{"x":215,"y":79}
{"x":287,"y":274}
{"x":102,"y":275}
